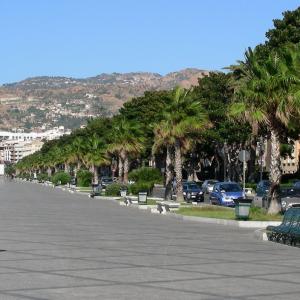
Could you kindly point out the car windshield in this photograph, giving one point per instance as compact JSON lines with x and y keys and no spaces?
{"x":193,"y":186}
{"x":106,"y":179}
{"x":211,"y":182}
{"x":230,"y":187}
{"x":266,"y":183}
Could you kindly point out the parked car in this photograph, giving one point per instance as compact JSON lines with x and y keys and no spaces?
{"x":289,"y":198}
{"x":208,"y":185}
{"x":296,"y":185}
{"x":105,"y":181}
{"x":192,"y":192}
{"x":224,"y":193}
{"x":262,"y":188}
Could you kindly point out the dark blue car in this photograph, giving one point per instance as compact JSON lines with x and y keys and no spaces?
{"x":224,"y":193}
{"x":192,"y":192}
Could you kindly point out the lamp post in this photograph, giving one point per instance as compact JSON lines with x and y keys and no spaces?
{"x":225,"y":159}
{"x":261,"y":152}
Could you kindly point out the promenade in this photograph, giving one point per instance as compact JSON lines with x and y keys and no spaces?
{"x":67,"y":246}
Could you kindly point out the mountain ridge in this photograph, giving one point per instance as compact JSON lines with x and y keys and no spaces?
{"x":47,"y":101}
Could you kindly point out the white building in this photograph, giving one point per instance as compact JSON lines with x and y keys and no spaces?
{"x":18,"y":144}
{"x":20,"y":135}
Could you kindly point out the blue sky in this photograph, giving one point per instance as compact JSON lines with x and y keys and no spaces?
{"x":82,"y":38}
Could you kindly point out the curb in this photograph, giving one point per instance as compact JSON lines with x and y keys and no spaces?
{"x":261,"y":235}
{"x":234,"y":223}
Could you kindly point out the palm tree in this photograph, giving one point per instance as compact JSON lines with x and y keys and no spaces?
{"x":95,"y":155}
{"x":267,"y":93}
{"x":163,"y":140}
{"x":185,"y":120}
{"x":77,"y":152}
{"x":126,"y":142}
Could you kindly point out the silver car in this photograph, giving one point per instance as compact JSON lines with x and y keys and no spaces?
{"x":208,"y":185}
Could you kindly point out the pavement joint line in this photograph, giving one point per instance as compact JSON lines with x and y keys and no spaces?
{"x":23,"y":296}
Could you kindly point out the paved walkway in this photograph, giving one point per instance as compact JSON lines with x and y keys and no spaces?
{"x":63,"y":246}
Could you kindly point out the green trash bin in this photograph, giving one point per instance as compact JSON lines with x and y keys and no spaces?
{"x":142,"y":198}
{"x":242,"y":208}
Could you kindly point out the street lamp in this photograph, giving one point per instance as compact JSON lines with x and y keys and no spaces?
{"x":225,"y":159}
{"x":261,"y":152}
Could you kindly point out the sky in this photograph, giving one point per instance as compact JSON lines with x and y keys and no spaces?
{"x":82,"y":38}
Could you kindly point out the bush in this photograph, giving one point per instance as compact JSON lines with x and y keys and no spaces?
{"x":114,"y":189}
{"x":61,"y":178}
{"x":146,"y":174}
{"x":84,"y":178}
{"x":42,"y":177}
{"x":251,"y":185}
{"x":141,"y":186}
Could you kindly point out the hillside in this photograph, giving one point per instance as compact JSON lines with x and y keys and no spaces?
{"x":44,"y":102}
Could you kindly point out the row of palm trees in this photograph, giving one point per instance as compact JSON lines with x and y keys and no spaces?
{"x":183,"y":120}
{"x":266,"y":95}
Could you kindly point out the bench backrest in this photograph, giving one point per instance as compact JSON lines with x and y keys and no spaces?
{"x":290,"y":216}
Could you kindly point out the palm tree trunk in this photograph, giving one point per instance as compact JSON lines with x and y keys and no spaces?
{"x":126,"y":168}
{"x":275,"y":174}
{"x":67,"y":168}
{"x":95,"y":172}
{"x":120,"y":167}
{"x":49,"y":172}
{"x":178,"y":171}
{"x":169,"y":175}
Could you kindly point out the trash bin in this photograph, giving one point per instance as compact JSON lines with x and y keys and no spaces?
{"x":96,"y":190}
{"x":142,"y":198}
{"x":123,"y":193}
{"x":242,"y":208}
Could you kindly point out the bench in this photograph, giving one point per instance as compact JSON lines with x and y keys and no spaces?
{"x":129,"y":201}
{"x":289,"y":230}
{"x":164,"y":207}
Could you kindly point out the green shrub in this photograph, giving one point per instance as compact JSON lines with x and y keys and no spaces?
{"x":146,"y":174}
{"x":251,"y":185}
{"x":84,"y":178}
{"x":141,"y":186}
{"x":42,"y":177}
{"x":61,"y":178}
{"x":114,"y":189}
{"x":25,"y":176}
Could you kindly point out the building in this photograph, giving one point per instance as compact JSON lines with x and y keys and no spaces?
{"x":289,"y":165}
{"x":17,"y":144}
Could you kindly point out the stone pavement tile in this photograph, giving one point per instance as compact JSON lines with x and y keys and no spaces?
{"x":5,"y":296}
{"x":231,"y":288}
{"x":237,"y":269}
{"x":291,"y":276}
{"x":116,"y":292}
{"x":269,"y":295}
{"x":55,"y":264}
{"x":150,"y":260}
{"x":136,"y":275}
{"x":29,"y":280}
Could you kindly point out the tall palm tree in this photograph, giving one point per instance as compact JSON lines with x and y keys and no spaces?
{"x":95,"y":155}
{"x":184,"y":121}
{"x":77,"y":152}
{"x":126,"y":141}
{"x":163,"y":140}
{"x":268,"y":94}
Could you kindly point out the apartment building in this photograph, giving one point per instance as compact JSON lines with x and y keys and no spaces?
{"x":17,"y":144}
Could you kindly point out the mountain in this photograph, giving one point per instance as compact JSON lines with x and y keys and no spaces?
{"x":43,"y":102}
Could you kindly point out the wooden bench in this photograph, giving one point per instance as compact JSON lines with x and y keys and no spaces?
{"x":289,"y":230}
{"x":164,"y":206}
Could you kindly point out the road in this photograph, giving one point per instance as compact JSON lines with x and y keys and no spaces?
{"x":64,"y":246}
